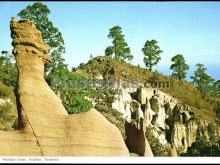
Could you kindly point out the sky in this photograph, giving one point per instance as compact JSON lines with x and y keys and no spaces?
{"x":188,"y":28}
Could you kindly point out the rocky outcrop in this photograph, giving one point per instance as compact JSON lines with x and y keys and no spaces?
{"x":122,"y":104}
{"x":173,"y":152}
{"x":136,"y":140}
{"x":135,"y":120}
{"x":128,"y":107}
{"x":45,"y":128}
{"x":178,"y":137}
{"x":170,"y":121}
{"x":174,"y":122}
{"x":175,"y":118}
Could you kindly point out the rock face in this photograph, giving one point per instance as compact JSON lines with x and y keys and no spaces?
{"x":136,"y":139}
{"x":122,"y":104}
{"x":177,"y":121}
{"x":127,"y":106}
{"x":170,"y":121}
{"x":45,"y":128}
{"x":173,"y":152}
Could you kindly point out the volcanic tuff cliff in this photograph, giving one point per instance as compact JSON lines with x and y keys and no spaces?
{"x":45,"y":128}
{"x":176,"y":115}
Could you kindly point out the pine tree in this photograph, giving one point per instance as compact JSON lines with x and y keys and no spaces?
{"x":179,"y":67}
{"x":151,"y":54}
{"x":39,"y":12}
{"x":120,"y":47}
{"x":202,"y":80}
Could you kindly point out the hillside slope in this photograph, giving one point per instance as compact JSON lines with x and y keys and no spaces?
{"x":176,"y":114}
{"x":111,"y":68}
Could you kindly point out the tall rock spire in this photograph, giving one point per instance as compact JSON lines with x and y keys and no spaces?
{"x":45,"y":128}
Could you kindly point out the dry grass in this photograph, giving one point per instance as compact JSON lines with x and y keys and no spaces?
{"x":184,"y":91}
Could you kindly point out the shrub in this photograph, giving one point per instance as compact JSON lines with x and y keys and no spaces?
{"x":7,"y":92}
{"x":7,"y":116}
{"x":78,"y":104}
{"x":157,"y":148}
{"x":104,"y":99}
{"x":155,"y":77}
{"x":217,"y":111}
{"x":204,"y":147}
{"x":72,"y":89}
{"x":8,"y":70}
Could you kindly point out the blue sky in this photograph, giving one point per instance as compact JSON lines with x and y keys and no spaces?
{"x":188,"y":28}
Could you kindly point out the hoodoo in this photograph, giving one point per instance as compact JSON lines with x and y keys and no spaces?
{"x":45,"y":128}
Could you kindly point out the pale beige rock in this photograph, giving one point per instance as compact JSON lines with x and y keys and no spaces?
{"x":173,"y":152}
{"x":183,"y":124}
{"x":121,"y":103}
{"x":45,"y":127}
{"x":148,"y":113}
{"x":179,"y":136}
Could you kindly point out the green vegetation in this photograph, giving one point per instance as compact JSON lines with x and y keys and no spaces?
{"x":179,"y":67}
{"x":72,"y":89}
{"x":111,"y":66}
{"x":202,"y":80}
{"x":113,"y":116}
{"x":39,"y":12}
{"x":119,"y":48}
{"x":8,"y":80}
{"x":75,"y":98}
{"x":7,"y":116}
{"x":217,"y":111}
{"x":76,"y":103}
{"x":104,"y":98}
{"x":57,"y":71}
{"x":202,"y":147}
{"x":215,"y":89}
{"x":7,"y":92}
{"x":151,"y":54}
{"x":113,"y":69}
{"x":205,"y":147}
{"x":157,"y":148}
{"x":107,"y":67}
{"x":8,"y":112}
{"x":8,"y":70}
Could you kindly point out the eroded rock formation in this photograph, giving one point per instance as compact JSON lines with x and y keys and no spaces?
{"x":45,"y":128}
{"x":170,"y":121}
{"x":136,"y":139}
